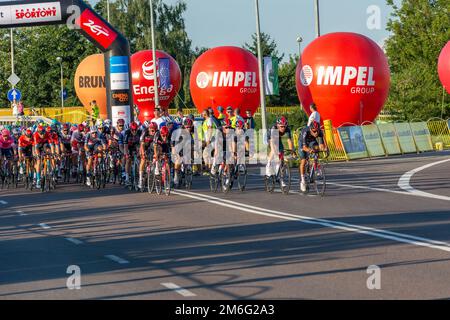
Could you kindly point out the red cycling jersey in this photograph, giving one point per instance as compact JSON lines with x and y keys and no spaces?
{"x":25,"y":142}
{"x":38,"y":140}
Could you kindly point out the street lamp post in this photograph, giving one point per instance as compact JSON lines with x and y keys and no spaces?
{"x":260,"y":68}
{"x":154,"y":55}
{"x":107,"y":9}
{"x":299,"y":40}
{"x":12,"y":52}
{"x":59,"y":60}
{"x":317,"y":10}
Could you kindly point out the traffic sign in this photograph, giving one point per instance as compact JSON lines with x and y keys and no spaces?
{"x":64,"y":94}
{"x":14,"y":94}
{"x":13,"y":79}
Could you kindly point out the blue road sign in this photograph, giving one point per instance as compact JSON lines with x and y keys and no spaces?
{"x":64,"y":94}
{"x":14,"y":94}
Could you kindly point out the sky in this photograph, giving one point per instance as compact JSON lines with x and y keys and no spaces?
{"x":212,"y":23}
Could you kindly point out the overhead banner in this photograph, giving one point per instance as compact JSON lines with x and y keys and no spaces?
{"x":271,"y":86}
{"x":422,"y":136}
{"x":30,"y":13}
{"x":389,"y":138}
{"x":405,"y":137}
{"x":373,"y":140}
{"x":353,"y":141}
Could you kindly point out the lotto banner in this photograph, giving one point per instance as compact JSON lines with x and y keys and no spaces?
{"x":353,"y":141}
{"x":405,"y":137}
{"x":422,"y":136}
{"x":373,"y":140}
{"x":389,"y":138}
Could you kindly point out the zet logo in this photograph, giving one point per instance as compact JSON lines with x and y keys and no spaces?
{"x":96,"y":29}
{"x":306,"y":75}
{"x":148,"y":70}
{"x":202,"y":80}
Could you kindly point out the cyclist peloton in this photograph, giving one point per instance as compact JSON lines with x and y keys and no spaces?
{"x":281,"y":128}
{"x":310,"y":140}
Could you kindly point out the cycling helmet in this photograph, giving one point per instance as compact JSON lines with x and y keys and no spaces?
{"x":41,"y":129}
{"x":54,"y":122}
{"x":133,"y":126}
{"x":80,"y":127}
{"x":16,"y":131}
{"x":121,"y":122}
{"x":282,"y":121}
{"x":164,"y":131}
{"x":314,"y":126}
{"x":48,"y":129}
{"x":153,"y":125}
{"x":188,"y":122}
{"x":94,"y":129}
{"x":28,"y":132}
{"x":65,"y":126}
{"x":5,"y":132}
{"x":108,"y":122}
{"x":240,"y":124}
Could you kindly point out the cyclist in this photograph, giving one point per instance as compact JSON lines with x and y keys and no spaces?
{"x":41,"y":142}
{"x":280,"y":129}
{"x":54,"y":144}
{"x":131,"y":143}
{"x":77,"y":142}
{"x":146,"y":149}
{"x":93,"y":144}
{"x":221,"y":146}
{"x":310,"y":140}
{"x":65,"y":136}
{"x":162,"y":147}
{"x":25,"y":148}
{"x":183,"y":136}
{"x":7,"y":146}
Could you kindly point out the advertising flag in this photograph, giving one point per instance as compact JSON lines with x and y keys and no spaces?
{"x":164,"y":73}
{"x":271,"y":86}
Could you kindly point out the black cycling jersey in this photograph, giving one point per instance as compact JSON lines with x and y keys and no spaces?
{"x":306,"y":138}
{"x":130,"y":139}
{"x":286,"y":133}
{"x":147,"y":139}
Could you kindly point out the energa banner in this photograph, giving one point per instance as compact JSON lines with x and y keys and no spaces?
{"x":422,"y":136}
{"x":389,"y":138}
{"x":353,"y":141}
{"x":405,"y":137}
{"x":373,"y":140}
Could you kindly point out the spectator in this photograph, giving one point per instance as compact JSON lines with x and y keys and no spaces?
{"x":15,"y":111}
{"x":236,"y":118}
{"x":315,"y":116}
{"x":95,"y":111}
{"x":249,"y":120}
{"x":20,"y":109}
{"x":229,"y":112}
{"x":221,"y":115}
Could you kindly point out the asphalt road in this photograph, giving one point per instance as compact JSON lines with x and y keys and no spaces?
{"x":251,"y":245}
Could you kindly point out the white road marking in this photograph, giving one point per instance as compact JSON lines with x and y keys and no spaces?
{"x":3,"y":202}
{"x":399,"y":237}
{"x":404,"y":182}
{"x":74,"y":241}
{"x":178,"y":289}
{"x":116,"y":259}
{"x":21,"y":213}
{"x":43,"y":225}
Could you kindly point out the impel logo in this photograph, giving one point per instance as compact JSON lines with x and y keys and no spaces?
{"x":202,"y":80}
{"x":96,"y":28}
{"x":306,"y":76}
{"x":148,"y":70}
{"x":227,"y":79}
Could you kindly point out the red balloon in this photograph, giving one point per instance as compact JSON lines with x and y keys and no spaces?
{"x":346,"y":75}
{"x":444,"y":67}
{"x":143,"y":82}
{"x":225,"y":76}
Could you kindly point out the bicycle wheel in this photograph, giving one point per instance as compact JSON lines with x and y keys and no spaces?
{"x":214,"y":180}
{"x":269,"y":183}
{"x":285,"y":178}
{"x":320,"y":180}
{"x":241,"y":176}
{"x":188,"y":175}
{"x":150,"y":179}
{"x":167,"y":179}
{"x":158,"y":181}
{"x":226,"y":180}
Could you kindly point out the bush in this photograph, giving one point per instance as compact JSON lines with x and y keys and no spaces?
{"x":296,"y":119}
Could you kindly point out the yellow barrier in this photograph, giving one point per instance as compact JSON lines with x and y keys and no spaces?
{"x":440,"y":132}
{"x":272,"y":110}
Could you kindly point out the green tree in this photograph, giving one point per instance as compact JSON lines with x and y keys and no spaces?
{"x":132,"y":18}
{"x":268,"y":46}
{"x":420,"y":29}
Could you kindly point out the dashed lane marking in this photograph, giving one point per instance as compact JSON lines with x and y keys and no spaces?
{"x":178,"y":289}
{"x":116,"y":259}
